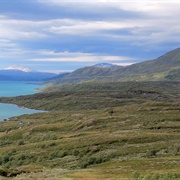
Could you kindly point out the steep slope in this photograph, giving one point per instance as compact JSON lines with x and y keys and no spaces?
{"x":169,"y":61}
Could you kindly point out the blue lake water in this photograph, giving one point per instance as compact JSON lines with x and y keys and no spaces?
{"x":8,"y":89}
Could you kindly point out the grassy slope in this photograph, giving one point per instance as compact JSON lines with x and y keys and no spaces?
{"x":85,"y":74}
{"x":168,"y":61}
{"x":95,"y":134}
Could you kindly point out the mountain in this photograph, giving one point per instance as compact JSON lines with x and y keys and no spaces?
{"x":106,"y":65}
{"x":21,"y":73}
{"x":59,"y":76}
{"x":85,"y":74}
{"x":20,"y":68}
{"x":166,"y":67}
{"x":168,"y":61}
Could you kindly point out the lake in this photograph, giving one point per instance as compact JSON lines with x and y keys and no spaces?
{"x":8,"y":89}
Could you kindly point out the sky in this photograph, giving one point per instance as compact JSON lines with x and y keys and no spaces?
{"x":64,"y":35}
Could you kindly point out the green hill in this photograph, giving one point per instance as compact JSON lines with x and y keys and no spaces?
{"x":86,"y":74}
{"x":166,"y":67}
{"x":169,"y":61}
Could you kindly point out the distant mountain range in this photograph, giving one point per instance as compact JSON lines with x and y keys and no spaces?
{"x":20,"y":68}
{"x":21,"y":73}
{"x":166,"y":67}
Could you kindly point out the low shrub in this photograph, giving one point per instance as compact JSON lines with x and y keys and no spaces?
{"x":151,"y":153}
{"x":156,"y":176}
{"x":57,"y":154}
{"x":96,"y":160}
{"x":20,"y":142}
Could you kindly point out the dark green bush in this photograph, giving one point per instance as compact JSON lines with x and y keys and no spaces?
{"x":96,"y":160}
{"x":20,"y":142}
{"x":84,"y":165}
{"x":57,"y":154}
{"x":151,"y":153}
{"x":75,"y":152}
{"x":5,"y":159}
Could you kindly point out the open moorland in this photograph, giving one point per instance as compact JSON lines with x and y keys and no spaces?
{"x":122,"y":130}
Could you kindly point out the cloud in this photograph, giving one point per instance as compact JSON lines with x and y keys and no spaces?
{"x":91,"y":27}
{"x":77,"y":57}
{"x":140,"y":29}
{"x":128,"y":5}
{"x":153,"y":8}
{"x":124,"y":64}
{"x":82,"y":31}
{"x":4,"y":43}
{"x":19,"y":29}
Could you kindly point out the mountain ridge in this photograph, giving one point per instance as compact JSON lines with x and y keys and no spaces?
{"x":19,"y":75}
{"x":19,"y":67}
{"x":104,"y":65}
{"x":165,"y":67}
{"x":85,"y":74}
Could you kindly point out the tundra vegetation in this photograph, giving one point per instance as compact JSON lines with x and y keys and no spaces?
{"x":122,"y":130}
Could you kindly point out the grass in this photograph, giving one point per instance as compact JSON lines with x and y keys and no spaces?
{"x":104,"y":134}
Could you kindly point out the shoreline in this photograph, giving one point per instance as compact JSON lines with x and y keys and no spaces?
{"x":17,"y":108}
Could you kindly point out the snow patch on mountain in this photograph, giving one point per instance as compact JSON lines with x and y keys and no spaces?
{"x":106,"y":65}
{"x":19,"y":68}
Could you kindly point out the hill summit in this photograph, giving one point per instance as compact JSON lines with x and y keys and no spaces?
{"x":106,"y":65}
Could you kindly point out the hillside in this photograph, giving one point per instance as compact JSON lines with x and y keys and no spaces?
{"x":167,"y":62}
{"x":111,"y":131}
{"x":166,"y":67}
{"x":101,"y":126}
{"x":86,"y":74}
